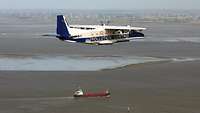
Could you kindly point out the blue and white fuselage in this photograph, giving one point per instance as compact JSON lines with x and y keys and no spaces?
{"x":96,"y":34}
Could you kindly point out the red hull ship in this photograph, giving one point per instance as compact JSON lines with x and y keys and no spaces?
{"x":80,"y":93}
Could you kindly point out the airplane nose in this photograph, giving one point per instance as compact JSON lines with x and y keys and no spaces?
{"x":135,"y":34}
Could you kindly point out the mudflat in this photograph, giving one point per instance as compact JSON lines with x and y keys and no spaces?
{"x":158,"y":87}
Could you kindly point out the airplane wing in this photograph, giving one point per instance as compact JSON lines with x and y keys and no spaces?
{"x":124,"y":28}
{"x":84,"y":26}
{"x":108,"y":27}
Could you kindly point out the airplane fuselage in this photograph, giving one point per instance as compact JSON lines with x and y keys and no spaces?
{"x":96,"y":34}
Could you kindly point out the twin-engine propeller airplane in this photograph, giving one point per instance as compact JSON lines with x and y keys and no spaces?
{"x":96,"y":34}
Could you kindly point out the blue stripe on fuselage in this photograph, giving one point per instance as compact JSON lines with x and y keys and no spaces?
{"x":81,"y":40}
{"x":111,"y":37}
{"x":94,"y":39}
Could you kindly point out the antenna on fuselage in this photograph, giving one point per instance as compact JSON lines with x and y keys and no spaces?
{"x":107,"y":22}
{"x":102,"y":23}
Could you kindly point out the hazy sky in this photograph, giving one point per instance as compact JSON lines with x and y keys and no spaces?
{"x":100,"y":4}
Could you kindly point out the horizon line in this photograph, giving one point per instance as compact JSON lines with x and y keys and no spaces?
{"x":112,"y":9}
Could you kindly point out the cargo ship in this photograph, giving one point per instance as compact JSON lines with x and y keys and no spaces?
{"x":80,"y":93}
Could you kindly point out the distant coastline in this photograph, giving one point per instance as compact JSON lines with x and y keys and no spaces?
{"x":115,"y":16}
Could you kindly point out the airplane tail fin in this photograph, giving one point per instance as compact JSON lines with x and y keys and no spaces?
{"x":62,"y":28}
